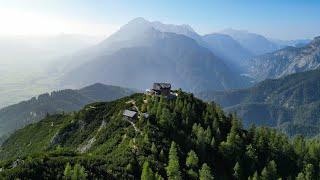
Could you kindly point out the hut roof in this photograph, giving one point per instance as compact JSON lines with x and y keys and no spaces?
{"x":129,"y":113}
{"x":159,"y":86}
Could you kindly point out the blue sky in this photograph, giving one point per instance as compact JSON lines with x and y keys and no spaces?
{"x":282,"y":19}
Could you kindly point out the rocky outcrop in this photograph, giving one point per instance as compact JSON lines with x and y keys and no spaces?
{"x":286,"y":61}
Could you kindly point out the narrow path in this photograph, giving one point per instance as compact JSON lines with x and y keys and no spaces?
{"x":133,"y":102}
{"x":134,"y":126}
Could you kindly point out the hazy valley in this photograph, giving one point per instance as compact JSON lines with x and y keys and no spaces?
{"x":151,"y":100}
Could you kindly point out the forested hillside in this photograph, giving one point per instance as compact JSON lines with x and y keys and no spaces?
{"x":33,"y":110}
{"x":182,"y":138}
{"x":291,"y":103}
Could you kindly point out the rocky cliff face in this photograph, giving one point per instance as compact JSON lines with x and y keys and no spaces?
{"x":286,"y":61}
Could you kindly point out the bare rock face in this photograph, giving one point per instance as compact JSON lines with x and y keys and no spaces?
{"x":286,"y":61}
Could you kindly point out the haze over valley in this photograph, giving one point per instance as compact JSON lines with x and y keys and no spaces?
{"x":52,"y":62}
{"x":160,"y":90}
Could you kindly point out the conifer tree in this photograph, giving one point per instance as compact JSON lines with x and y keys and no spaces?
{"x":208,"y":135}
{"x":141,"y":118}
{"x":255,"y":176}
{"x":215,"y":124}
{"x":269,"y":172}
{"x":309,"y":172}
{"x":153,"y":107}
{"x":192,"y":160}
{"x":159,"y":110}
{"x":147,"y":173}
{"x":192,"y":174}
{"x":158,"y":176}
{"x":205,"y":173}
{"x":162,"y":155}
{"x":154,"y":149}
{"x":173,"y":168}
{"x":265,"y":174}
{"x":232,"y":146}
{"x":78,"y":173}
{"x":129,"y":168}
{"x":300,"y":176}
{"x":67,"y":171}
{"x":165,"y":118}
{"x":237,"y":171}
{"x":192,"y":165}
{"x":213,"y":142}
{"x":143,"y":108}
{"x":233,"y":138}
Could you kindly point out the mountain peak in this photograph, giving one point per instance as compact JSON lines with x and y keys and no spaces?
{"x":187,"y":26}
{"x":316,"y":40}
{"x":141,"y":25}
{"x":184,"y":29}
{"x":138,"y":20}
{"x":233,"y":31}
{"x":137,"y":23}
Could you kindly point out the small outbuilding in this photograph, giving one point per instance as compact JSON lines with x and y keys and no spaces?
{"x":130,"y":115}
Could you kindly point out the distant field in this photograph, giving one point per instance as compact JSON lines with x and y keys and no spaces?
{"x":18,"y":84}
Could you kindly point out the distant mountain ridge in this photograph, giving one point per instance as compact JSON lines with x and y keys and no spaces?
{"x":294,"y":43}
{"x":139,"y":54}
{"x":255,"y":43}
{"x":290,"y":103}
{"x":231,"y":49}
{"x":26,"y":112}
{"x":132,"y":34}
{"x":286,"y":61}
{"x":228,"y":48}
